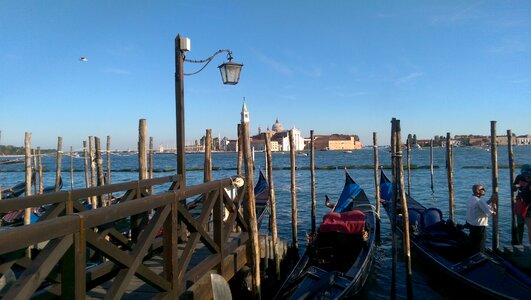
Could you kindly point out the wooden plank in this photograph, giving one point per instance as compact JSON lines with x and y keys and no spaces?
{"x":39,"y":268}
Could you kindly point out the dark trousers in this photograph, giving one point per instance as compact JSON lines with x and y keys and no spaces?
{"x":477,"y":237}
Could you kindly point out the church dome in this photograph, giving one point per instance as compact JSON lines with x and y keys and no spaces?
{"x":277,"y":127}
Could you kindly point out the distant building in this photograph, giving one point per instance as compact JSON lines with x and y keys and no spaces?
{"x":279,"y":139}
{"x":523,"y":140}
{"x":336,"y":142}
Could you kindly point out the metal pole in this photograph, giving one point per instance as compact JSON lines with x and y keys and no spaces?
{"x":179,"y":111}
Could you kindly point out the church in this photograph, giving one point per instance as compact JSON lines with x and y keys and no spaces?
{"x":279,"y":137}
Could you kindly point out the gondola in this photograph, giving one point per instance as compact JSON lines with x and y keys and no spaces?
{"x":16,"y":218}
{"x":14,"y":191}
{"x":444,"y":245}
{"x":261,"y":192}
{"x":338,"y":258}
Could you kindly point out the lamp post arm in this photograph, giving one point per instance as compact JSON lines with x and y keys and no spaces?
{"x":207,"y":60}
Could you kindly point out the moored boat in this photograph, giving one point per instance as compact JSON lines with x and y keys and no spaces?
{"x":338,"y":258}
{"x":444,"y":245}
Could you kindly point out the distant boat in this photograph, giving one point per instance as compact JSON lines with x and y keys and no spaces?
{"x":347,"y":151}
{"x":11,"y":161}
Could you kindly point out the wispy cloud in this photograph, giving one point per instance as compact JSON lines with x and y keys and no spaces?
{"x":350,"y":94}
{"x":274,"y":64}
{"x":521,"y":80}
{"x":464,"y":14}
{"x":409,"y":77}
{"x":315,"y":72}
{"x":117,"y":71}
{"x":511,"y":46}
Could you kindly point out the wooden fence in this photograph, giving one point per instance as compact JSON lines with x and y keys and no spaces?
{"x":75,"y":249}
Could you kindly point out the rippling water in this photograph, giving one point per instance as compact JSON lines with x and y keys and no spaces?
{"x":471,"y":165}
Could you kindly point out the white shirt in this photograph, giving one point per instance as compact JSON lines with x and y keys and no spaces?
{"x":478,"y":211}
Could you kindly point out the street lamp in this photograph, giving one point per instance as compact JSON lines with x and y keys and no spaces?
{"x":230,"y":74}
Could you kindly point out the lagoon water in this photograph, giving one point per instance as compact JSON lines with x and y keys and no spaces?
{"x":471,"y":165}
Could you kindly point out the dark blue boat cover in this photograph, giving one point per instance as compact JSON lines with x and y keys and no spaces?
{"x":350,"y":191}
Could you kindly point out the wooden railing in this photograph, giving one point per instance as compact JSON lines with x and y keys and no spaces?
{"x":75,"y":249}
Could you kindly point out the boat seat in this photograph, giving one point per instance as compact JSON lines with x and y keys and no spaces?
{"x":431,"y":216}
{"x":415,"y":220}
{"x":349,"y":222}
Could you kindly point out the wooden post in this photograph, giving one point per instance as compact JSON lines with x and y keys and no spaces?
{"x":99,"y":170}
{"x":207,"y":173}
{"x":86,"y":165}
{"x":376,"y":181}
{"x":251,"y":210}
{"x":239,"y":145}
{"x":138,"y":221}
{"x":405,"y":217}
{"x":142,"y":158}
{"x":150,"y":162}
{"x":312,"y":175}
{"x":109,"y":165}
{"x":293,"y":192}
{"x":71,"y":168}
{"x":494,"y":168}
{"x":34,"y":169}
{"x":408,"y":153}
{"x":93,"y":175}
{"x":431,"y":166}
{"x":27,"y":211}
{"x":393,"y":210}
{"x":59,"y":162}
{"x":450,"y":174}
{"x":273,"y":205}
{"x":41,"y":187}
{"x":515,"y":239}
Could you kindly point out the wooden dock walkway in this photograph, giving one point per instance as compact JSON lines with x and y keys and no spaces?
{"x":146,"y":259}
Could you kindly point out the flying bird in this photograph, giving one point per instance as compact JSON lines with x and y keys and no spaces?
{"x":83,"y":59}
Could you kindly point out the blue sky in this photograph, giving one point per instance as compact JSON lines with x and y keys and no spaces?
{"x":331,"y":66}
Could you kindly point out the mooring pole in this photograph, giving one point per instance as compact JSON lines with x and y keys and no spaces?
{"x":393,"y":210}
{"x":312,"y":175}
{"x":494,"y":168}
{"x":293,"y":192}
{"x":405,"y":216}
{"x":239,"y":145}
{"x":27,"y":162}
{"x":376,"y":182}
{"x":515,"y":237}
{"x":71,"y":168}
{"x":41,"y":187}
{"x":408,"y":154}
{"x":99,"y":170}
{"x":109,"y":196}
{"x":207,"y":170}
{"x":450,"y":175}
{"x":272,"y":200}
{"x":92,"y":169}
{"x":251,"y":208}
{"x":59,"y":162}
{"x":431,"y":166}
{"x":150,"y":163}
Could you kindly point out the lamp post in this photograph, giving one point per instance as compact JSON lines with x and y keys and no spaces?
{"x":230,"y":74}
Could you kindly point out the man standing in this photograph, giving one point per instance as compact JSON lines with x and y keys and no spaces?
{"x":477,"y":217}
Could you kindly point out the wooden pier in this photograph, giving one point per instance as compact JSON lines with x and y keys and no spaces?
{"x":83,"y":253}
